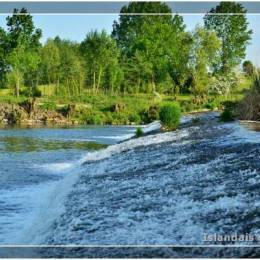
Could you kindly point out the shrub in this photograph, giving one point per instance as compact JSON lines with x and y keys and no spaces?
{"x":120,"y":118}
{"x":211,"y":104}
{"x":227,"y":115}
{"x":139,"y":132}
{"x":223,"y":84}
{"x":49,"y":106}
{"x":249,"y":107}
{"x":187,"y":106}
{"x":153,"y":112}
{"x":134,"y":118}
{"x":96,"y":119}
{"x":31,"y":92}
{"x":36,"y":92}
{"x":170,"y":115}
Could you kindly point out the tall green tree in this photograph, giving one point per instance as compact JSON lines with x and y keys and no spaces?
{"x":50,"y":63}
{"x":101,"y":60}
{"x":204,"y":56}
{"x":129,"y":27}
{"x":21,"y":29}
{"x":233,"y":31}
{"x":157,"y":43}
{"x":3,"y":56}
{"x":70,"y":70}
{"x":23,"y":46}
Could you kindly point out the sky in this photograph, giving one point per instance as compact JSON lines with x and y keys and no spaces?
{"x":75,"y":27}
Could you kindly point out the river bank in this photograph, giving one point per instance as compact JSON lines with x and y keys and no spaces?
{"x":90,"y":110}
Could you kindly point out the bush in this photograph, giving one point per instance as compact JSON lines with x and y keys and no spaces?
{"x":226,"y":116}
{"x":31,"y":92}
{"x":223,"y":84}
{"x":139,"y":132}
{"x":134,"y":118}
{"x":151,"y":114}
{"x":212,"y":104}
{"x":36,"y":92}
{"x":249,"y":107}
{"x":187,"y":106}
{"x":96,"y":119}
{"x":49,"y":106}
{"x":170,"y":115}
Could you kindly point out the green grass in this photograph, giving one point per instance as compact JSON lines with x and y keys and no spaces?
{"x":134,"y":108}
{"x":5,"y":92}
{"x":47,"y":90}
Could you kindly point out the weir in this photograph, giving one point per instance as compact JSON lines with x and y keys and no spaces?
{"x":201,"y":178}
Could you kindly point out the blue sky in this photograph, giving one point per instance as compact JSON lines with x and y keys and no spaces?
{"x":75,"y":27}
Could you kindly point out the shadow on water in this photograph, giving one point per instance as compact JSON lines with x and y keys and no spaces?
{"x":28,"y":144}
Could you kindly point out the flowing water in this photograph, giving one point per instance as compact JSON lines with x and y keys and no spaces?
{"x":84,"y":186}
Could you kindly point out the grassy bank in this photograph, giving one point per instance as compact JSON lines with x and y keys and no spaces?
{"x":105,"y":108}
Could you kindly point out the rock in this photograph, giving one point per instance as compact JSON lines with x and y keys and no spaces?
{"x":12,"y":114}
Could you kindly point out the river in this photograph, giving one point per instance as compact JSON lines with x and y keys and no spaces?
{"x":87,"y":186}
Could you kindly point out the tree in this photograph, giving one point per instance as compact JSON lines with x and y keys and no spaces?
{"x":50,"y":63}
{"x":248,"y":68}
{"x":233,"y":31}
{"x":17,"y":58}
{"x":22,"y":30}
{"x":204,"y":55}
{"x":101,"y":58}
{"x":129,"y":26}
{"x":154,"y":43}
{"x":71,"y":70}
{"x":23,"y":46}
{"x":3,"y":56}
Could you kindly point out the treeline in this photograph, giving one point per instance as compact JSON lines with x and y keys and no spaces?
{"x":144,"y":54}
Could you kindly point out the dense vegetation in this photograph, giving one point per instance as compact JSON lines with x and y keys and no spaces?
{"x":145,"y":57}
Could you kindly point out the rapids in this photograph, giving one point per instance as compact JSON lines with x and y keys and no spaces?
{"x":152,"y":194}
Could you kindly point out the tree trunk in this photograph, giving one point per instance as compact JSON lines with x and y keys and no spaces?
{"x":99,"y":78}
{"x":58,"y":86}
{"x":94,"y":81}
{"x":17,"y":86}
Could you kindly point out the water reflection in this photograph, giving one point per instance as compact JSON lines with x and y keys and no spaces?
{"x":28,"y":144}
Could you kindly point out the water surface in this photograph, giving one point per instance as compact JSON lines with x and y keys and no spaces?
{"x":161,"y":189}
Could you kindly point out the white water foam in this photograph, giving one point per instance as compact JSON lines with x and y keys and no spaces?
{"x":57,"y":167}
{"x":134,"y":143}
{"x":154,"y":126}
{"x":50,"y":200}
{"x":49,"y":203}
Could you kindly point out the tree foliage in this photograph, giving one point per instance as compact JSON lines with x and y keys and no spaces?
{"x":22,"y":48}
{"x":155,"y":48}
{"x":233,"y":31}
{"x":148,"y":53}
{"x":248,"y":68}
{"x":101,"y":58}
{"x":204,"y":55}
